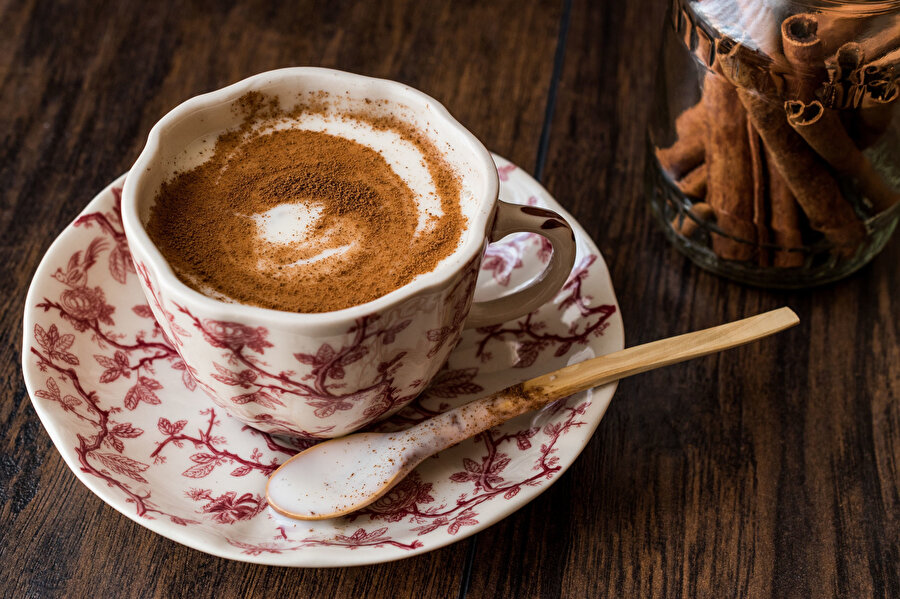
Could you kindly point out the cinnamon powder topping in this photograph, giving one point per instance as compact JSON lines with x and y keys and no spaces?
{"x":300,"y":220}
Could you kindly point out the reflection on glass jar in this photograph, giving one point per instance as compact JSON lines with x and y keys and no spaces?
{"x":775,"y":136}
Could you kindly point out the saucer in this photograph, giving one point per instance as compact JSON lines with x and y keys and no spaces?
{"x":129,"y":421}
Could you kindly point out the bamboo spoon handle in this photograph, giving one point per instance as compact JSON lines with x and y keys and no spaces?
{"x":656,"y":354}
{"x":472,"y":418}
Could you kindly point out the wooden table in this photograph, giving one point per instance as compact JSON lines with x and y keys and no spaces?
{"x":768,"y":471}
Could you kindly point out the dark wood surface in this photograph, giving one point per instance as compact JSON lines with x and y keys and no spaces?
{"x":768,"y":471}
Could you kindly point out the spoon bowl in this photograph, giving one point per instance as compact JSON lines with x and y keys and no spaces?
{"x":338,"y":476}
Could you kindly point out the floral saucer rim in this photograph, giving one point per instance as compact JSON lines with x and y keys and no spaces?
{"x":371,"y":541}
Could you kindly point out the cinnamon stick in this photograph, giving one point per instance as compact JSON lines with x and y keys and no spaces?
{"x":701,"y":211}
{"x":747,"y":69}
{"x":889,"y":60}
{"x":876,"y":112}
{"x":807,"y":176}
{"x":688,"y":151}
{"x":823,"y":131}
{"x":760,"y":191}
{"x":845,"y":77}
{"x":693,"y":184}
{"x":847,"y":61}
{"x":729,"y":186}
{"x":804,"y":52}
{"x":881,"y":42}
{"x":784,"y":218}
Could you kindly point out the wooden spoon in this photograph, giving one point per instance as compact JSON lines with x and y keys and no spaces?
{"x":342,"y":475}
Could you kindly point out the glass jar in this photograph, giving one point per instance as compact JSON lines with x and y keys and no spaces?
{"x":775,"y":136}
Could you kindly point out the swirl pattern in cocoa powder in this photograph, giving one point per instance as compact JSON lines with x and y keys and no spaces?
{"x":360,"y":241}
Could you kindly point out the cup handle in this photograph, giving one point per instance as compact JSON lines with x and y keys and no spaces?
{"x":515,"y":218}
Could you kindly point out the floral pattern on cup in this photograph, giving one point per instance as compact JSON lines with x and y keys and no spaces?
{"x":262,"y":376}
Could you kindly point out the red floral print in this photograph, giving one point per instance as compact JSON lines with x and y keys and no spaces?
{"x":531,"y":336}
{"x":85,"y":304}
{"x":322,"y":387}
{"x":56,"y":345}
{"x":114,"y":378}
{"x":228,"y":507}
{"x":504,"y":171}
{"x":234,"y":336}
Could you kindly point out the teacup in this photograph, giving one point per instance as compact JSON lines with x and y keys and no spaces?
{"x":327,"y":374}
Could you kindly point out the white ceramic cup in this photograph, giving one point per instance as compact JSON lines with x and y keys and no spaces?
{"x":327,"y":374}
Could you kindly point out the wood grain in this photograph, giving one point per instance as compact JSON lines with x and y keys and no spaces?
{"x":772,"y":470}
{"x":767,"y":471}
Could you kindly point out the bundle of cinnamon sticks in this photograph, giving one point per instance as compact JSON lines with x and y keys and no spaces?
{"x":767,"y":153}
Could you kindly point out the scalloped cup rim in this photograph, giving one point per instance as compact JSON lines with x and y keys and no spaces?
{"x":472,"y":243}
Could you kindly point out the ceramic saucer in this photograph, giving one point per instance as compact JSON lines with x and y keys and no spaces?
{"x":124,"y":413}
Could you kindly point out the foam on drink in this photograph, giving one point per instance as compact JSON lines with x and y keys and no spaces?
{"x":310,"y":210}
